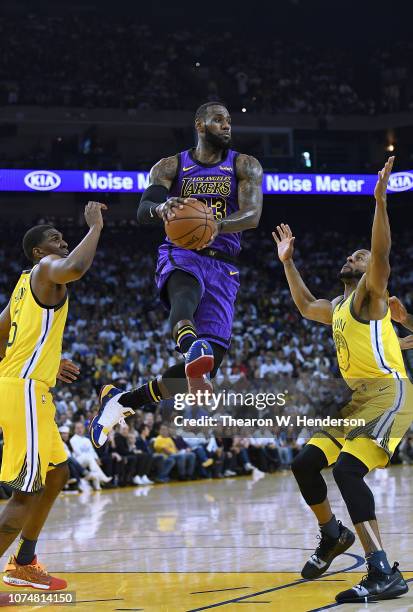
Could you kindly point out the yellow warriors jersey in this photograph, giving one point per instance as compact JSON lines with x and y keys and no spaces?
{"x":36,"y":334}
{"x":365,"y":349}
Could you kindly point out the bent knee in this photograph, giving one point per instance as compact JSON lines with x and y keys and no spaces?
{"x":298,"y":465}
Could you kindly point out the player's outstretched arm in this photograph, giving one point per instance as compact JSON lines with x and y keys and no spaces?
{"x":155,"y":206}
{"x":399,"y":313}
{"x":307,"y":304}
{"x":5,"y":324}
{"x":62,"y":270}
{"x":249,"y":175}
{"x":378,"y":270}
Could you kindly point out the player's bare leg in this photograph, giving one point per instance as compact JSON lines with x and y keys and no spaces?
{"x":14,"y":516}
{"x":55,"y":481}
{"x":369,"y":535}
{"x":323,"y":512}
{"x":28,"y":515}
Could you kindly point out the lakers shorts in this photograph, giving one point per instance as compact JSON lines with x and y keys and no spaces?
{"x":374,"y":422}
{"x":32,"y":443}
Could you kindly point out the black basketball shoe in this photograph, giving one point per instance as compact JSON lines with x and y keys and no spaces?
{"x":375,"y":586}
{"x":327,"y":550}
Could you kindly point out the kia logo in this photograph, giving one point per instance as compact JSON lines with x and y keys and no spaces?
{"x":42,"y":180}
{"x":401,"y":181}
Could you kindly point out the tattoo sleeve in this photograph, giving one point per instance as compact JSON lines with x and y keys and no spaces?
{"x":160,"y":180}
{"x":249,"y":174}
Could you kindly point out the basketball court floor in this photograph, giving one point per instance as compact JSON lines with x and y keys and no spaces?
{"x":230,"y":545}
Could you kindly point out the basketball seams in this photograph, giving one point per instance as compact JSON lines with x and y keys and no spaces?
{"x":201,"y":239}
{"x":185,"y":219}
{"x":191,"y":231}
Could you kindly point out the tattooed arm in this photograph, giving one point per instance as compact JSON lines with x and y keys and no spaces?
{"x":249,"y":174}
{"x":155,"y":206}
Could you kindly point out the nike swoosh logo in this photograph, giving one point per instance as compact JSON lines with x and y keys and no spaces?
{"x":188,"y":168}
{"x":384,"y":388}
{"x":232,"y":273}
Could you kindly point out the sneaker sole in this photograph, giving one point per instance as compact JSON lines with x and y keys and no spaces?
{"x":91,"y":432}
{"x":196,"y":385}
{"x":200,"y":366}
{"x":382,"y":597}
{"x":16,"y":582}
{"x":322,"y":571}
{"x":97,"y":417}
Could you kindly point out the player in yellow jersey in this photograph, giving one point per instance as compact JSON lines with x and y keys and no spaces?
{"x":31,"y":332}
{"x":371,"y":363}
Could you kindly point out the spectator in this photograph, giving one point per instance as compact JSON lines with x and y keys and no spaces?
{"x":160,"y":465}
{"x":198,"y":444}
{"x":275,"y":78}
{"x":78,"y":476}
{"x":86,"y":456}
{"x":240,"y":448}
{"x":129,"y":456}
{"x":144,"y":460}
{"x":184,"y":461}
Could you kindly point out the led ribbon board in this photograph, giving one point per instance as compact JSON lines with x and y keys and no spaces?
{"x":90,"y":181}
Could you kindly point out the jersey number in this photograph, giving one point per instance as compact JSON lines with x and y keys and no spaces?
{"x":13,"y":332}
{"x":217,"y":205}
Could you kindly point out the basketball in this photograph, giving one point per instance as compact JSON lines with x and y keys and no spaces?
{"x":193,"y":225}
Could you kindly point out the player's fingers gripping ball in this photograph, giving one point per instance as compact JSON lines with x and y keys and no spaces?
{"x":193,"y":225}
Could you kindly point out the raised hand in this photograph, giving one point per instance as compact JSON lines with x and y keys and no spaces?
{"x":383,"y":179}
{"x":93,"y":214}
{"x":284,"y":241}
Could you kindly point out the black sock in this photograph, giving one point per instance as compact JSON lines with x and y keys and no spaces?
{"x":331,"y":528}
{"x":25,"y":551}
{"x":146,"y":394}
{"x":185,"y":337}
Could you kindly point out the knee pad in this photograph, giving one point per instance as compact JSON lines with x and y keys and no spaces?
{"x":309,"y":459}
{"x":306,"y":468}
{"x":349,"y":473}
{"x":348,"y":468}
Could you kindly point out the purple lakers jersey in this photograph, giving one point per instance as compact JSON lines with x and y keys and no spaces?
{"x":216,"y":186}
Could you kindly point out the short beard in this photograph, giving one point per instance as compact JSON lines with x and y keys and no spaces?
{"x":216,"y":142}
{"x":353,"y":275}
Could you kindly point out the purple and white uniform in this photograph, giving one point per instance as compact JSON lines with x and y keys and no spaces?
{"x":217,"y":186}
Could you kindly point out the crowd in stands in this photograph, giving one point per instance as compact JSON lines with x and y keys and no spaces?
{"x":117,"y":332}
{"x":139,"y":69}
